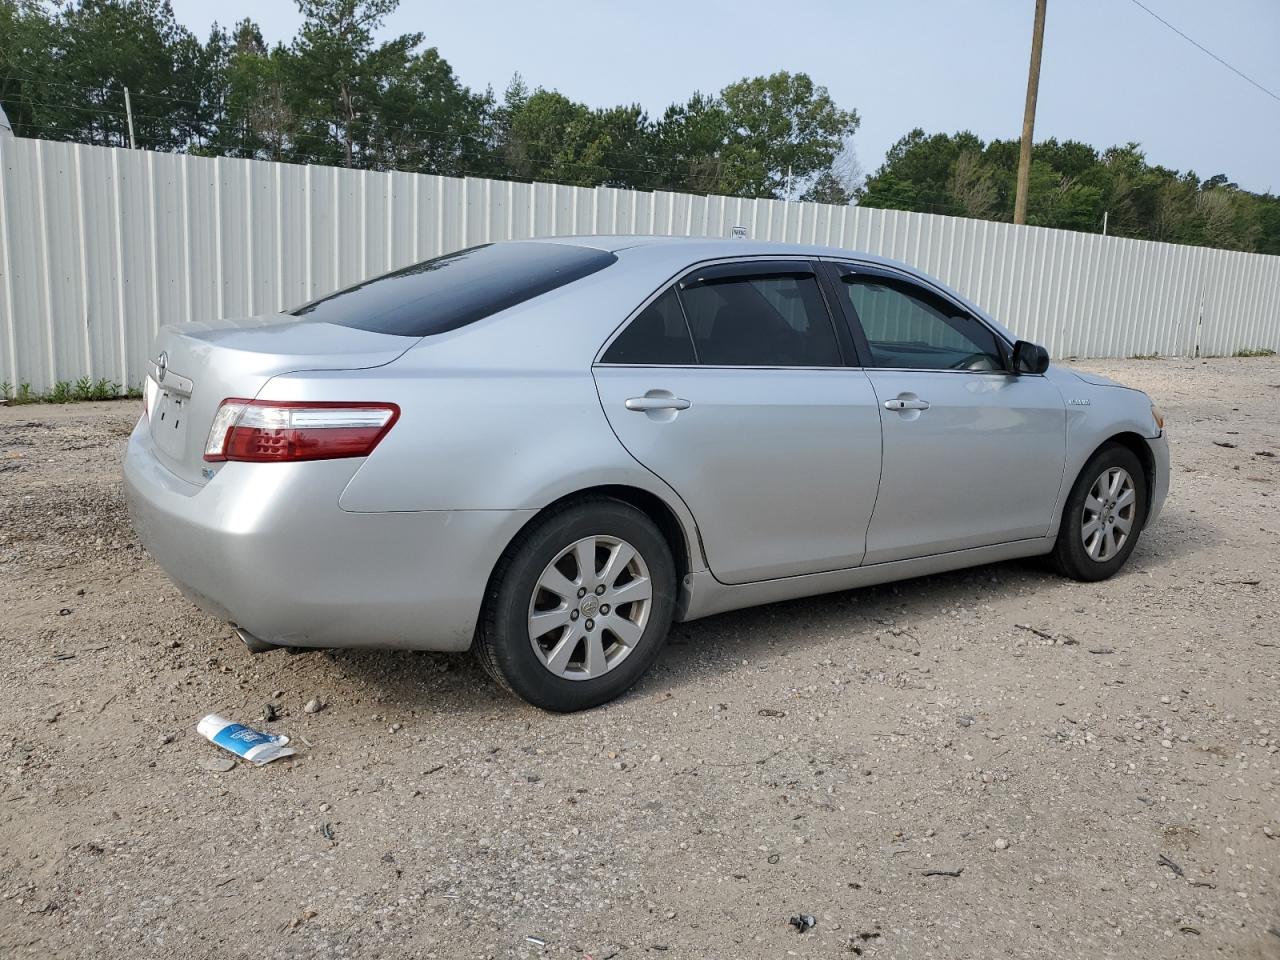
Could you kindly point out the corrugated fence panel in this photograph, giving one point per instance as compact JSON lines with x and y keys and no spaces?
{"x":99,"y":247}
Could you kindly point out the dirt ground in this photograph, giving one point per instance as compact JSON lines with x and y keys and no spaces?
{"x":1097,"y":763}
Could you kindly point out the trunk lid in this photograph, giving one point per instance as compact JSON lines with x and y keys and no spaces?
{"x":195,"y":366}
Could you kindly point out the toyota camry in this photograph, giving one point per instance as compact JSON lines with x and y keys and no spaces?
{"x":548,"y":450}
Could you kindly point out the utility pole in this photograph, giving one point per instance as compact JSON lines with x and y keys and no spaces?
{"x":128,"y":111}
{"x":1029,"y":116}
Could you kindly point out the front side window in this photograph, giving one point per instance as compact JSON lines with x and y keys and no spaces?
{"x":457,"y":289}
{"x":761,"y":321}
{"x":908,"y":327}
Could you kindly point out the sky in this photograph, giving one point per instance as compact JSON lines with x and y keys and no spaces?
{"x":1111,"y":72}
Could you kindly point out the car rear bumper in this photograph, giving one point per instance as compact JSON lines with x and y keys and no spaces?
{"x":266,"y":546}
{"x":1159,"y":447}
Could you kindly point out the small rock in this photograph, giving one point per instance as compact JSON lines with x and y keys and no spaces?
{"x":269,"y":714}
{"x":313,"y":705}
{"x":219,"y":764}
{"x":394,"y":728}
{"x":1001,"y":844}
{"x":803,"y":922}
{"x":64,"y":612}
{"x":167,"y":739}
{"x":1268,"y":832}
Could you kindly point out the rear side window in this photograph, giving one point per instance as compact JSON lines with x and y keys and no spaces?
{"x":658,"y":335}
{"x":764,"y":321}
{"x":457,"y":289}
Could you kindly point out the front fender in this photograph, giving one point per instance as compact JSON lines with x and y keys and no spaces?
{"x":1097,"y":412}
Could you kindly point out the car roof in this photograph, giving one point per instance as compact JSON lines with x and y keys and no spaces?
{"x":698,"y":247}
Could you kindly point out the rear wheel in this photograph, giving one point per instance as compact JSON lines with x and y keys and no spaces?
{"x":579,"y":606}
{"x":1103,"y":516}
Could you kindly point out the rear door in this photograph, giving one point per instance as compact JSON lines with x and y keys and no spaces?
{"x":733,"y":387}
{"x":973,"y":455}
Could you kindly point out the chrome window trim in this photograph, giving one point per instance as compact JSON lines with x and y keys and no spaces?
{"x":720,"y":366}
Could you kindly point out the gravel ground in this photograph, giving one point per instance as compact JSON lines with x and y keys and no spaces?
{"x":1097,"y":763}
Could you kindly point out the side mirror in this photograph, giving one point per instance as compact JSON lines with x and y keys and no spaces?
{"x":1029,"y":357}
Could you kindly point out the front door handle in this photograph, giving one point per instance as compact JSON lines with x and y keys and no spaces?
{"x":645,"y":404}
{"x":906,"y":403}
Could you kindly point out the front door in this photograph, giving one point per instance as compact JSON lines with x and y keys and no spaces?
{"x":973,"y":455}
{"x":732,"y":387}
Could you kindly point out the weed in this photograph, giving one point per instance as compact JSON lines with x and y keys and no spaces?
{"x":65,"y":391}
{"x":1255,"y":352}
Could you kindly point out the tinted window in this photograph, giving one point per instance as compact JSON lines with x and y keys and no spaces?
{"x":658,"y":335}
{"x":761,"y":321}
{"x":910,"y":327}
{"x":456,"y":289}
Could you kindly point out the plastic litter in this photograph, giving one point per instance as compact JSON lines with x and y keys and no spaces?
{"x":253,"y":745}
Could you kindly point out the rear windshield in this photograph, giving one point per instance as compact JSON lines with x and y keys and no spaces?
{"x":456,"y":289}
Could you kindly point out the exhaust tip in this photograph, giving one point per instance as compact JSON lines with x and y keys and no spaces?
{"x":255,"y":644}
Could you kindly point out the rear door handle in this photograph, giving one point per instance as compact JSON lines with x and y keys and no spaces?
{"x":902,"y":403}
{"x":645,"y":404}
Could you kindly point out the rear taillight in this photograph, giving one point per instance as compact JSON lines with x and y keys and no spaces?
{"x":263,"y":431}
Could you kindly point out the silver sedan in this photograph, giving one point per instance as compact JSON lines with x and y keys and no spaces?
{"x":548,"y":450}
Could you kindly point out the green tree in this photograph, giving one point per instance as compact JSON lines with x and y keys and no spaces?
{"x":336,"y":74}
{"x":68,"y":71}
{"x":553,"y":138}
{"x":258,"y":118}
{"x":426,"y":120}
{"x":27,"y":40}
{"x":783,"y":130}
{"x":689,"y":143}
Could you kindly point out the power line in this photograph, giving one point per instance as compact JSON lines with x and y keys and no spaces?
{"x":1203,"y":49}
{"x":659,"y":164}
{"x":540,"y":153}
{"x":293,"y":156}
{"x":223,"y":105}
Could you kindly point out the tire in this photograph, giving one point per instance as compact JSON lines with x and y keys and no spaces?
{"x":540,"y":575}
{"x":1097,"y":556}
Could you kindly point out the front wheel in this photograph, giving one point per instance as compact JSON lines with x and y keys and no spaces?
{"x":579,"y":606}
{"x":1103,"y":516}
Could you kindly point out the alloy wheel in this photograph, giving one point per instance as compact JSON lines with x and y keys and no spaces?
{"x":590,"y":607}
{"x":1109,"y":513}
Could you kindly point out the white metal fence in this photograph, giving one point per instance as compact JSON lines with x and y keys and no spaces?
{"x":100,"y":246}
